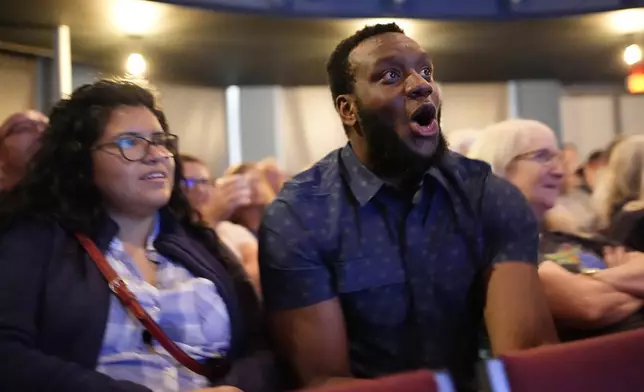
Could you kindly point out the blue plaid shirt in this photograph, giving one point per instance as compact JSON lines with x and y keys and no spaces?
{"x":189,"y":310}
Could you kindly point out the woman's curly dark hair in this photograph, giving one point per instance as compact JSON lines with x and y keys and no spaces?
{"x":59,"y":184}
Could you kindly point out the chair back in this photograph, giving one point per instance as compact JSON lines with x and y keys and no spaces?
{"x":418,"y":381}
{"x":608,"y":363}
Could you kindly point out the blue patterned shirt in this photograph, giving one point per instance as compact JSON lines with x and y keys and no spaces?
{"x":404,"y":268}
{"x":188,"y":309}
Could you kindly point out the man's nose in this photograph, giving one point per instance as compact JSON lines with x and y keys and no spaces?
{"x":418,"y":87}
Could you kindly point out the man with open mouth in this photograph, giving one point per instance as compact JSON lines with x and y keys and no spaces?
{"x":392,"y":253}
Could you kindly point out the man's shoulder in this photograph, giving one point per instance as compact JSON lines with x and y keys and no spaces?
{"x":467,"y":169}
{"x":317,"y":181}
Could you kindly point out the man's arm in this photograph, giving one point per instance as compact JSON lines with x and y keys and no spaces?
{"x":582,"y":302}
{"x":627,"y":277}
{"x":516,"y":311}
{"x":305,"y":316}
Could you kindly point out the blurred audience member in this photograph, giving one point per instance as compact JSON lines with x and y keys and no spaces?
{"x":19,"y":136}
{"x":250,"y":214}
{"x":461,"y":140}
{"x":201,"y":190}
{"x":571,"y":162}
{"x":273,"y":174}
{"x":526,"y":153}
{"x":620,"y":193}
{"x":588,"y":172}
{"x":576,"y":202}
{"x":100,"y":194}
{"x":371,"y":260}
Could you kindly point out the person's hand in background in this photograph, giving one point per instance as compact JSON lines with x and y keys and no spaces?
{"x":230,"y":193}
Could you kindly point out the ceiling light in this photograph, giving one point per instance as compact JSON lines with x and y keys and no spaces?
{"x":635,"y":81}
{"x":135,"y":17}
{"x":633,"y":54}
{"x":627,"y":21}
{"x":136,"y":65}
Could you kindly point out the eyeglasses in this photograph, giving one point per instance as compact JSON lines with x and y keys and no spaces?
{"x":542,"y":156}
{"x":192,"y":182}
{"x":137,"y":148}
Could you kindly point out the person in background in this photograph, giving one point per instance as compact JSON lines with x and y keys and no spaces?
{"x":570,"y":159}
{"x":461,"y":140}
{"x":588,"y":172}
{"x":19,"y":136}
{"x":619,"y":195}
{"x":575,"y":201}
{"x":273,"y":173}
{"x":386,"y":254}
{"x":106,"y":174}
{"x":525,"y":152}
{"x":250,"y":214}
{"x":231,"y":192}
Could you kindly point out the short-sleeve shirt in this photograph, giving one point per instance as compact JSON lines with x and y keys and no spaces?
{"x":404,"y":268}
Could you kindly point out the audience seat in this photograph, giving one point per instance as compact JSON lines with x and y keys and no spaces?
{"x":609,"y":363}
{"x":418,"y":381}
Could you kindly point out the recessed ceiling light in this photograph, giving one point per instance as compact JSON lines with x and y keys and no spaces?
{"x":136,"y":17}
{"x":136,"y":65}
{"x":627,"y":21}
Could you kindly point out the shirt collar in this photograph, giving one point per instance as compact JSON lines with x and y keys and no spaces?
{"x":364,"y":184}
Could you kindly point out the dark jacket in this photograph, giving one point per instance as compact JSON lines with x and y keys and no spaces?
{"x":54,"y":306}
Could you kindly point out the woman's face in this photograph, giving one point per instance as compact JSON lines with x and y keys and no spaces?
{"x":198,"y":185}
{"x":538,"y":171}
{"x":140,"y":184}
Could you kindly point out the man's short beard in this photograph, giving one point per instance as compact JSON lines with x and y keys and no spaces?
{"x":388,"y":155}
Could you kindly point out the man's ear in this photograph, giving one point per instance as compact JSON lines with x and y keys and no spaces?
{"x":346,"y":108}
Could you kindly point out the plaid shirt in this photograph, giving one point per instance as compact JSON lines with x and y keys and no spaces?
{"x":189,"y":310}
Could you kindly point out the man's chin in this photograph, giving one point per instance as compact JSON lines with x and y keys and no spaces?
{"x":424,"y":146}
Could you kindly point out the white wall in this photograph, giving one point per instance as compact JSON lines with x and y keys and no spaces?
{"x":310,"y":126}
{"x":632,"y":113}
{"x":197,"y":115}
{"x":473,"y":105}
{"x":18,"y":81}
{"x":587,"y":121}
{"x":592,"y":119}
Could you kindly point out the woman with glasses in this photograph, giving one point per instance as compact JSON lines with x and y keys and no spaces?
{"x":216,"y":201}
{"x":525,"y":152}
{"x":96,"y":241}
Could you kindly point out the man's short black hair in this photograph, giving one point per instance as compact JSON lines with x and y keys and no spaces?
{"x":340,"y":75}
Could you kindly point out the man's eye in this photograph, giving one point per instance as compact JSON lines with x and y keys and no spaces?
{"x":390,"y":76}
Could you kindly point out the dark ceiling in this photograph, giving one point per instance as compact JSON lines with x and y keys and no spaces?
{"x":214,"y":48}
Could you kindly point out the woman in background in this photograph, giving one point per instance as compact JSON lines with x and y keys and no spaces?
{"x":525,"y":152}
{"x":620,"y":193}
{"x":250,"y":215}
{"x":216,"y":201}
